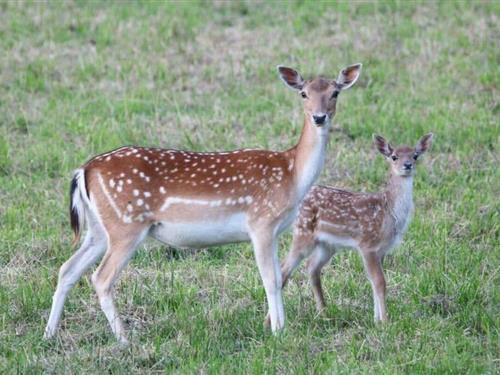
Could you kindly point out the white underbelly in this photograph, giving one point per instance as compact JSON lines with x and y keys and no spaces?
{"x":199,"y":234}
{"x":339,"y":243}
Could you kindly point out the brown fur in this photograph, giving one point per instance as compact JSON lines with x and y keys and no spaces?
{"x":373,"y":223}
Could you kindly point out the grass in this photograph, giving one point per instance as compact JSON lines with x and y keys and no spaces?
{"x":78,"y":79}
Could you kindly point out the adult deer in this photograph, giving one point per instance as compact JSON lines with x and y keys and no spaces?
{"x":373,"y":223}
{"x":193,"y":199}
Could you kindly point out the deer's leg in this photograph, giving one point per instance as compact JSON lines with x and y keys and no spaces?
{"x":70,"y":272}
{"x":319,"y":258}
{"x":373,"y":266}
{"x":120,"y":249}
{"x":301,"y":248}
{"x":266,"y":255}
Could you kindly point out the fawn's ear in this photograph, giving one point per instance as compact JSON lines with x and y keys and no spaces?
{"x":424,"y":143}
{"x":382,"y":145}
{"x":348,"y":76}
{"x":291,"y":77}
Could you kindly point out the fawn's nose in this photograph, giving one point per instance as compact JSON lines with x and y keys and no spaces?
{"x":319,"y":119}
{"x":408,"y":165}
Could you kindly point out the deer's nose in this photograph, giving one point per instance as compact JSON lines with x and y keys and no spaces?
{"x":319,"y":119}
{"x":408,"y":164}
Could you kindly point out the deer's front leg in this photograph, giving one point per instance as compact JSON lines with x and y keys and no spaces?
{"x":266,"y":254}
{"x":373,"y":266}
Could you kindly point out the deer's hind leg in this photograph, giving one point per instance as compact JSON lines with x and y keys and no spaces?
{"x":120,"y":249}
{"x":319,"y":258}
{"x":302,"y":247}
{"x":71,"y":271}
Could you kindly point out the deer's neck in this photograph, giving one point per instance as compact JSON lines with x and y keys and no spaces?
{"x":399,"y":195}
{"x":309,"y":156}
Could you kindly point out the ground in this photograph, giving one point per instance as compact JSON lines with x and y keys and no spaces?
{"x":79,"y":79}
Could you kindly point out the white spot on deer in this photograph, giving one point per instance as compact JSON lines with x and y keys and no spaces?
{"x":135,"y":192}
{"x":111,"y":183}
{"x":112,"y":203}
{"x":135,"y":171}
{"x":130,"y":208}
{"x":139,"y":202}
{"x":119,"y":189}
{"x":147,"y":194}
{"x":215,"y":203}
{"x":162,"y":190}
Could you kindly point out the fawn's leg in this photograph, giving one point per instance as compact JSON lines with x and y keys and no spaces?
{"x":373,"y":267}
{"x":301,"y":248}
{"x":319,"y":258}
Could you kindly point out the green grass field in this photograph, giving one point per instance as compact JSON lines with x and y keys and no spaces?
{"x":79,"y":79}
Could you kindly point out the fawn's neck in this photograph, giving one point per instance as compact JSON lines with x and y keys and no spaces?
{"x":399,"y":195}
{"x":309,"y":156}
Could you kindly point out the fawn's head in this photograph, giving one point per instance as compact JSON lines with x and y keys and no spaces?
{"x":320,"y":94}
{"x":402,"y":159}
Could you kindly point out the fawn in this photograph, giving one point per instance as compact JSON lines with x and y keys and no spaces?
{"x":372,"y":223}
{"x":196,"y":199}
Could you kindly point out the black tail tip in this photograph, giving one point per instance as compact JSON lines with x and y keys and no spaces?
{"x":73,"y":213}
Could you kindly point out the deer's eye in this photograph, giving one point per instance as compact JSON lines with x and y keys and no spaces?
{"x":334,"y":94}
{"x":415,"y":156}
{"x":303,"y":94}
{"x":394,"y":157}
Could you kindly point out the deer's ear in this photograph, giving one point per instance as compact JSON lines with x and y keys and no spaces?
{"x":382,"y":145}
{"x":424,"y":143}
{"x":348,"y":76}
{"x":291,"y":77}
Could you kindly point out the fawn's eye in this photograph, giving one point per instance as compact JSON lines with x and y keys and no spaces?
{"x":303,"y":94}
{"x":334,"y":94}
{"x":394,"y":157}
{"x":415,"y":156}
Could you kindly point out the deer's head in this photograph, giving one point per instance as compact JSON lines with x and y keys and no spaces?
{"x":403,"y":159}
{"x":320,"y":94}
